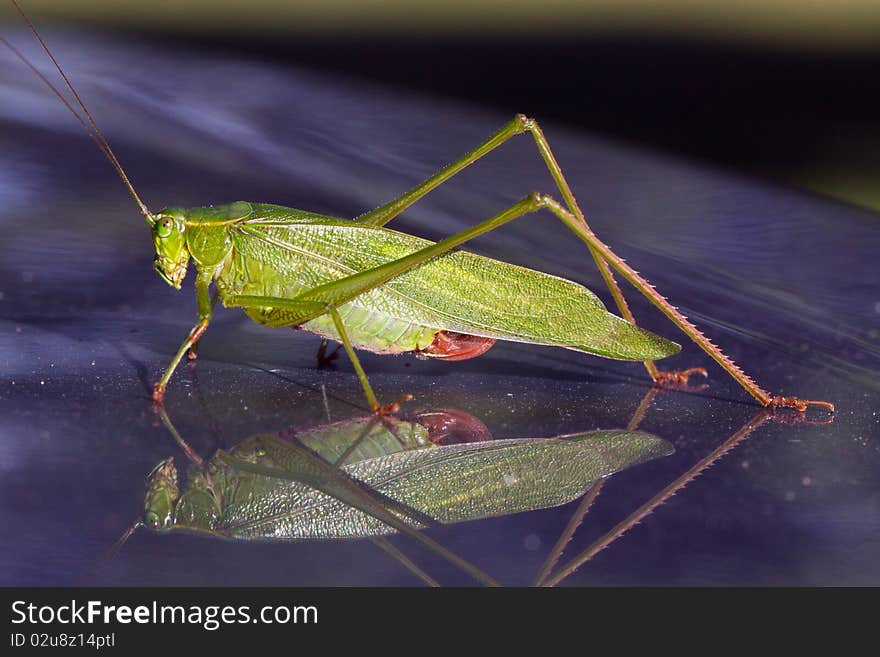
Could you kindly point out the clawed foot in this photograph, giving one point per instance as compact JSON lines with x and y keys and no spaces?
{"x":158,"y":394}
{"x":325,"y":359}
{"x":393,"y":407}
{"x":678,"y":379}
{"x":800,"y":405}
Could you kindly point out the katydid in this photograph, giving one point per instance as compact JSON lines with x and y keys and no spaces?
{"x":371,"y":288}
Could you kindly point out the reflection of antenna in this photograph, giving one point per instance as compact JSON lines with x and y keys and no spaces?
{"x":190,"y":453}
{"x":117,"y":546}
{"x":94,"y":132}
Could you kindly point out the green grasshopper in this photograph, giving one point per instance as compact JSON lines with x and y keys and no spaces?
{"x":371,"y":288}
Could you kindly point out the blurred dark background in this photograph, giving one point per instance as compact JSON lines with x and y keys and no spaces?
{"x":783,"y":90}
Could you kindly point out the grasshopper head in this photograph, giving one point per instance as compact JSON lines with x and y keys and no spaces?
{"x":162,"y":493}
{"x":169,"y":238}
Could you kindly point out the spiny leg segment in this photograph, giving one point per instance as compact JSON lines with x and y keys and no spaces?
{"x":605,"y":259}
{"x":518,"y":125}
{"x":764,"y":397}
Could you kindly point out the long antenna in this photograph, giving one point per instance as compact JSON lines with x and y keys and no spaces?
{"x":117,"y":546}
{"x":60,"y":96}
{"x":95,"y":132}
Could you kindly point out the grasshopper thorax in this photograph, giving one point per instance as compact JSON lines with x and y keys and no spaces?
{"x":162,"y":494}
{"x":169,"y":239}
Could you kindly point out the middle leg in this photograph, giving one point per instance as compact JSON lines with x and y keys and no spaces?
{"x":325,"y":359}
{"x":307,"y":310}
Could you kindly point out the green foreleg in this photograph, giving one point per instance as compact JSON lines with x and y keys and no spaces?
{"x":192,"y":354}
{"x":203,"y":281}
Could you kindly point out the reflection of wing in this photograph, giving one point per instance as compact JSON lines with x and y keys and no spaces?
{"x":282,"y":464}
{"x":459,"y":291}
{"x":302,"y":466}
{"x":450,"y":483}
{"x":359,"y":439}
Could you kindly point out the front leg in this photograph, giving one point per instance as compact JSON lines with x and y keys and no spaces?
{"x":206,"y":306}
{"x":193,"y":353}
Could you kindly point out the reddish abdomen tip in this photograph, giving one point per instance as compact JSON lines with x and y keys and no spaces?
{"x":449,"y":345}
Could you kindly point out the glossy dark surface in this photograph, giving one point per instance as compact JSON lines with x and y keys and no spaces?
{"x":789,"y":285}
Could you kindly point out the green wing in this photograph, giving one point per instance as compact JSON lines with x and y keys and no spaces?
{"x":459,"y":291}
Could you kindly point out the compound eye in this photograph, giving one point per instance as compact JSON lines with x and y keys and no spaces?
{"x":164,"y":226}
{"x":151,"y":520}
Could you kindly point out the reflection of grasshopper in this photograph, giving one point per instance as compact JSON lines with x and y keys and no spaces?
{"x":370,"y":476}
{"x":364,"y":477}
{"x":322,"y":465}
